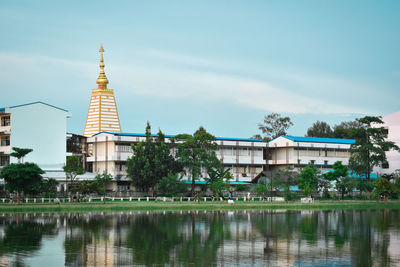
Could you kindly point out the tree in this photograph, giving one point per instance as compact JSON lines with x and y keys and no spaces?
{"x":151,"y":161}
{"x":274,"y":125}
{"x":384,"y":188}
{"x":345,"y":129}
{"x":102,"y":180}
{"x":370,"y":147}
{"x":218,"y":179}
{"x":20,"y":153}
{"x":172,"y":185}
{"x":308,"y":180}
{"x":262,"y":186}
{"x":320,"y":129}
{"x":283,"y":179}
{"x":22,"y":178}
{"x":49,"y":186}
{"x":72,"y":169}
{"x":340,"y":175}
{"x":195,"y":152}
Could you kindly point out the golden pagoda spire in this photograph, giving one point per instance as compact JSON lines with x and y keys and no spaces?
{"x":102,"y":80}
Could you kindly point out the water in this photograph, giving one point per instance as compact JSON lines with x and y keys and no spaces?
{"x":216,"y":238}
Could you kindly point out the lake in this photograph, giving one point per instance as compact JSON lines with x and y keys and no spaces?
{"x":202,"y":238}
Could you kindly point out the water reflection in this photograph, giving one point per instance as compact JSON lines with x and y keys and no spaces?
{"x":276,"y":238}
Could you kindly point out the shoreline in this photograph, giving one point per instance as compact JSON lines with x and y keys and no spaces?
{"x":177,"y":206}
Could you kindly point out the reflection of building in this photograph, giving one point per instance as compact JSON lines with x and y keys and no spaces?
{"x":296,"y":151}
{"x":102,"y":114}
{"x":39,"y":126}
{"x":109,"y":152}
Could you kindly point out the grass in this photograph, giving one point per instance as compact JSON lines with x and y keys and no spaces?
{"x":153,"y":206}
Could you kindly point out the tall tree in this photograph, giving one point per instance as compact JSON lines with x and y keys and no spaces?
{"x":195,"y":152}
{"x":320,"y":129}
{"x":72,"y":169}
{"x":274,"y":125}
{"x":308,"y":180}
{"x":20,"y":153}
{"x":345,"y":129}
{"x":370,"y":147}
{"x":151,"y":161}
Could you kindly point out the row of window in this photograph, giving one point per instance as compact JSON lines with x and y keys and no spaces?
{"x":229,"y":151}
{"x":244,"y":151}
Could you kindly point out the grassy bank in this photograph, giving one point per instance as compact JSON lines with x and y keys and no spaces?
{"x":152,"y":206}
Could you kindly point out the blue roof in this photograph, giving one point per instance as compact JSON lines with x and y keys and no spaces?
{"x":318,"y":139}
{"x":356,"y":176}
{"x":169,"y":136}
{"x":204,"y":182}
{"x":37,"y":102}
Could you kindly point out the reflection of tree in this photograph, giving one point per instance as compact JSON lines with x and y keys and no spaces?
{"x":81,"y":231}
{"x":23,"y":236}
{"x":200,"y":248}
{"x":152,"y":237}
{"x":309,"y":227}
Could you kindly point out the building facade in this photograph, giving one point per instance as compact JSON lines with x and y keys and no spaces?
{"x":108,"y":153}
{"x":392,"y":124}
{"x":297,"y":152}
{"x":38,"y":126}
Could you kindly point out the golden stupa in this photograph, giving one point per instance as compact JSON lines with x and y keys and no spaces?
{"x":103,"y":114}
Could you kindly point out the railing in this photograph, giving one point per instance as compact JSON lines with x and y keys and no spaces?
{"x":138,"y":199}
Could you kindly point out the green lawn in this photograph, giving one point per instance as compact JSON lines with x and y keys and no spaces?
{"x":150,"y":206}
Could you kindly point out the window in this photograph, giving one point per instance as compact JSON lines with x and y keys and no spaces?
{"x":4,"y":160}
{"x":325,"y":162}
{"x":227,"y":151}
{"x":5,"y":141}
{"x":123,"y":148}
{"x":5,"y":121}
{"x":312,"y":161}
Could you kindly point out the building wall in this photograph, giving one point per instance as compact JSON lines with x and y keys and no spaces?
{"x":43,"y":129}
{"x":392,"y":123}
{"x":284,"y":153}
{"x":245,"y":159}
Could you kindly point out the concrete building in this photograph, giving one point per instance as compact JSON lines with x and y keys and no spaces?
{"x":39,"y":126}
{"x":297,"y":152}
{"x":392,"y":123}
{"x":108,"y":153}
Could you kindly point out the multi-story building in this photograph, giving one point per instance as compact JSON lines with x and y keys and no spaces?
{"x":392,"y":124}
{"x":38,"y":126}
{"x":297,"y":152}
{"x":109,"y":152}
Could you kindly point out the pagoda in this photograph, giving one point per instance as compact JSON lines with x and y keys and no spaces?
{"x":103,"y":113}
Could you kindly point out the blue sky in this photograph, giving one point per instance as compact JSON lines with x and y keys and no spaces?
{"x":220,"y":64}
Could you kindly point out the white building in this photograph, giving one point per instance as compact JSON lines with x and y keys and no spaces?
{"x":297,"y":152}
{"x":39,"y":126}
{"x":392,"y":123}
{"x":108,"y":153}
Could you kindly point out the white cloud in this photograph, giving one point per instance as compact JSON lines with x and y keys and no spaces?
{"x":177,"y":82}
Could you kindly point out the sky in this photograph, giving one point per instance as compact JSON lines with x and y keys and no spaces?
{"x":218,"y":64}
